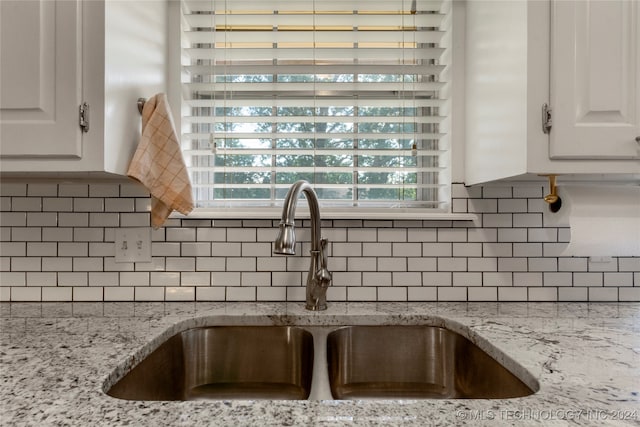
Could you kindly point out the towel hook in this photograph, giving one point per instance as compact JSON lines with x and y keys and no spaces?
{"x":141,"y":102}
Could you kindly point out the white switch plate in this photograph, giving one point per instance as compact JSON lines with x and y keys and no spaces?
{"x":133,"y":244}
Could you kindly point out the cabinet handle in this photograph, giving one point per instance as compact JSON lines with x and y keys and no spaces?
{"x":638,"y":139}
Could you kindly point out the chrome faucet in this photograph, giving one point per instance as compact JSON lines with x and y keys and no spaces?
{"x":319,"y":277}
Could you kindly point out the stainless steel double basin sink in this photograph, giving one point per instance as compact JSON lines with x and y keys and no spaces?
{"x":290,"y":362}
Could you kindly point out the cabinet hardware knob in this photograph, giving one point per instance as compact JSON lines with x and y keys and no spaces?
{"x":638,"y":139}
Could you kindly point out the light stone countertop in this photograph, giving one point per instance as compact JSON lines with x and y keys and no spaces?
{"x":56,"y":357}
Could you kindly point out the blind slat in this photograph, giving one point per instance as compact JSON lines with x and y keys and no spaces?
{"x":306,"y":5}
{"x":296,"y":22}
{"x":307,"y":135}
{"x":350,"y":36}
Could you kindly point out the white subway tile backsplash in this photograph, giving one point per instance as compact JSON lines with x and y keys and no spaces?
{"x":8,"y":279}
{"x":25,"y":234}
{"x":88,"y":234}
{"x":148,"y":294}
{"x":362,"y":235}
{"x":88,"y":294}
{"x":180,"y":294}
{"x":232,"y":279}
{"x":543,"y":235}
{"x":119,"y":205}
{"x":376,"y":249}
{"x":180,"y":234}
{"x":588,"y":279}
{"x":406,"y":279}
{"x":14,"y":219}
{"x":57,"y":294}
{"x":138,"y":278}
{"x":629,"y":264}
{"x":497,"y":220}
{"x":609,"y":265}
{"x":164,"y":278}
{"x":482,"y":264}
{"x":392,"y":294}
{"x":543,"y":294}
{"x":211,"y":294}
{"x":573,"y":294}
{"x":512,"y":235}
{"x":618,"y":279}
{"x":195,"y":278}
{"x":497,"y":249}
{"x":392,"y":235}
{"x":483,"y":205}
{"x":512,"y":264}
{"x":26,"y":264}
{"x":104,"y":279}
{"x":452,"y":264}
{"x":482,"y":294}
{"x":13,"y":249}
{"x":437,"y":279}
{"x":42,"y":219}
{"x":41,"y":279}
{"x":557,"y":279}
{"x":452,"y":235}
{"x":226,"y":249}
{"x":603,"y":294}
{"x":350,"y":278}
{"x":467,"y":279}
{"x":255,"y":279}
{"x":69,"y":279}
{"x":26,"y":294}
{"x":499,"y":280}
{"x":452,"y":294}
{"x":241,"y":294}
{"x":160,"y":249}
{"x":629,"y":294}
{"x":527,"y":279}
{"x":422,"y":264}
{"x":512,"y":294}
{"x":377,"y":279}
{"x":362,"y":294}
{"x":26,"y":204}
{"x":196,"y":249}
{"x":467,"y":249}
{"x":57,"y":244}
{"x":211,"y":264}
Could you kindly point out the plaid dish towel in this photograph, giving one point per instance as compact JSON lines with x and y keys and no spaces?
{"x":158,"y":163}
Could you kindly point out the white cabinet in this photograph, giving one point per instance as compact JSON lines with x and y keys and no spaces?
{"x":57,"y":55}
{"x":40,"y":80}
{"x":580,"y":58}
{"x":595,"y":79}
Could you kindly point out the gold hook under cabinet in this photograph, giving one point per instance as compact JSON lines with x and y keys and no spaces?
{"x":554,"y":201}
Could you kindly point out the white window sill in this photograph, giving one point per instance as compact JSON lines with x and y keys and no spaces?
{"x":302,"y":212}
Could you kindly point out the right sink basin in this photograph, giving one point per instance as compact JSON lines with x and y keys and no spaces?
{"x":414,"y":362}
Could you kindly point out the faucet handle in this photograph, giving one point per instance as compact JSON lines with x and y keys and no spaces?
{"x":323,"y":274}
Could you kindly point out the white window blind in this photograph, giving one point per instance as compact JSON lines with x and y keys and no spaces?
{"x":347,"y":94}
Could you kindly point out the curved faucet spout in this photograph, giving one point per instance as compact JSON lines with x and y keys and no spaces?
{"x":319,"y":277}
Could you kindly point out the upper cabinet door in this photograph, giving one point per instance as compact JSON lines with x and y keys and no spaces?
{"x":595,"y":79}
{"x":40,"y":78}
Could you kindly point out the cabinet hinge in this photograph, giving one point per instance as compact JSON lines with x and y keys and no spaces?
{"x":84,"y":117}
{"x":546,"y":118}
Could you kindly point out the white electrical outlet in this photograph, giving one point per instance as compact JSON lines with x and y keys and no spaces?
{"x":133,"y":244}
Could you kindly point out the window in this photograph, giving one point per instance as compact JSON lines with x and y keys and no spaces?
{"x":349,"y":95}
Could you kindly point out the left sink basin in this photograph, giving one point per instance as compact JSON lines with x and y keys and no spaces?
{"x":224,"y":362}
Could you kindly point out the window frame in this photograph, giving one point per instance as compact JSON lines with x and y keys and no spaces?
{"x":455,"y":45}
